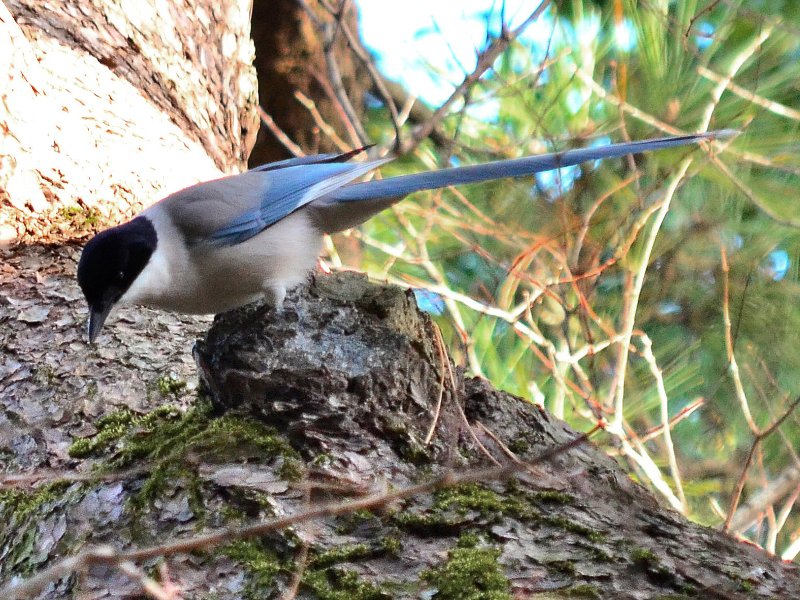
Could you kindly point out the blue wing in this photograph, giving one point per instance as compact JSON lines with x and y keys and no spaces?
{"x":275,"y":191}
{"x":312,"y":160}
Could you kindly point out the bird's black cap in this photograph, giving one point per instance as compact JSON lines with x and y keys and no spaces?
{"x":110,"y":263}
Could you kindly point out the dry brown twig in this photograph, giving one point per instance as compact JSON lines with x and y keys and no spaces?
{"x":329,"y":31}
{"x":759,"y":434}
{"x":366,"y":59}
{"x":301,"y":561}
{"x":323,"y":125}
{"x":19,"y":480}
{"x":107,"y":555}
{"x":281,"y":136}
{"x":444,"y":365}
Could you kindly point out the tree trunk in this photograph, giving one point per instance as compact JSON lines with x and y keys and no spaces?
{"x":108,"y":106}
{"x":334,"y":398}
{"x":292,"y":59}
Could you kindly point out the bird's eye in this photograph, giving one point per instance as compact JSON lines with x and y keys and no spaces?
{"x":120,"y":275}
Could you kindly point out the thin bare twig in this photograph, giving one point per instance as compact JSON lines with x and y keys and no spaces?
{"x":377,"y":79}
{"x":680,"y":416}
{"x":328,"y":32}
{"x":506,"y":450}
{"x":705,"y":10}
{"x":649,"y":357}
{"x":301,"y":562}
{"x":771,"y":105}
{"x":323,"y":82}
{"x":17,"y":480}
{"x":756,"y":443}
{"x":636,"y":283}
{"x":444,"y":365}
{"x":733,"y":366}
{"x":320,"y":120}
{"x":151,"y":587}
{"x":279,"y":133}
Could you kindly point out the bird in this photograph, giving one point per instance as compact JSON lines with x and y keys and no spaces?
{"x":225,"y":243}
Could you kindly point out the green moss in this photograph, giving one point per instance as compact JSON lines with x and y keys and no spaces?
{"x":600,"y":555}
{"x":45,"y":376}
{"x":165,"y":437}
{"x":114,"y":426}
{"x":573,"y":527}
{"x":320,"y":577}
{"x":291,"y":469}
{"x":470,"y":574}
{"x":645,"y":558}
{"x":166,"y":432}
{"x":584,"y":591}
{"x":391,"y":545}
{"x":22,"y":511}
{"x":454,"y":509}
{"x":262,"y":565}
{"x":415,"y":453}
{"x":348,"y":523}
{"x":519,"y":445}
{"x":405,"y":443}
{"x":428,"y":523}
{"x":552,"y":497}
{"x":322,"y":460}
{"x":341,"y":554}
{"x":475,"y":497}
{"x":339,"y":584}
{"x":468,"y":540}
{"x":80,"y":217}
{"x":486,"y":502}
{"x":564,"y":567}
{"x":167,"y":385}
{"x":354,"y":552}
{"x":21,"y":503}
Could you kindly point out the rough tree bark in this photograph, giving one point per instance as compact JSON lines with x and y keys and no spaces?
{"x":331,"y":399}
{"x":109,"y":105}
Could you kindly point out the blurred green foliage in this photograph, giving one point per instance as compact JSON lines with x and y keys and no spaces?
{"x":532,"y":271}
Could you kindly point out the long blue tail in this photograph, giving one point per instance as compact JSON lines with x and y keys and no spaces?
{"x":398,"y":187}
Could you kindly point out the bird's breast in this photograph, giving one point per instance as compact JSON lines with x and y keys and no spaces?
{"x":209,"y":279}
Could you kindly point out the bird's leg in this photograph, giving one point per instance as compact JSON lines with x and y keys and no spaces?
{"x":274,"y":296}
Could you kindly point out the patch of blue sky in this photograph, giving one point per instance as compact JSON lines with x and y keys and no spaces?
{"x":777,"y":264}
{"x":557,"y":182}
{"x":669,"y":307}
{"x":429,"y":302}
{"x":587,"y":30}
{"x":625,"y":36}
{"x":561,"y":180}
{"x":430,"y":46}
{"x":577,"y":98}
{"x":705,"y":35}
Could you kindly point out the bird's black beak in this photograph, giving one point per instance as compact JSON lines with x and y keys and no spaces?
{"x":96,"y":319}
